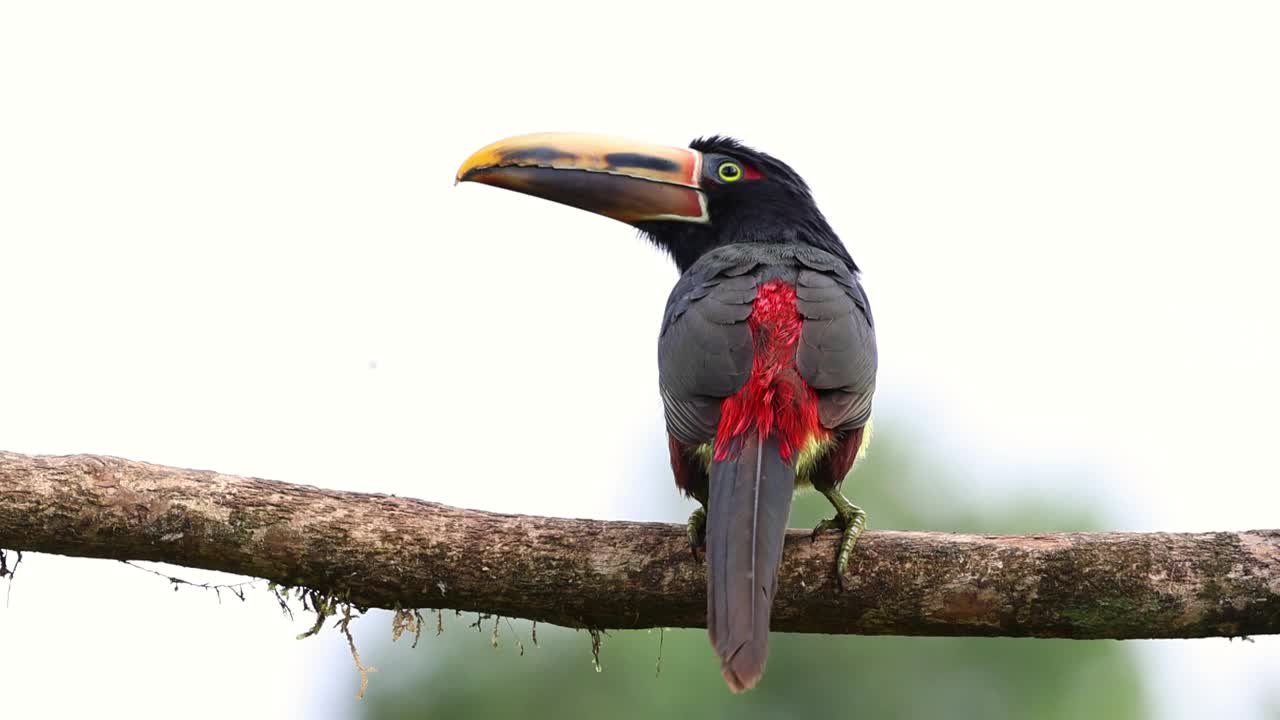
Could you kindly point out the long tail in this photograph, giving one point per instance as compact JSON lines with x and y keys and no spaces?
{"x":746,"y":524}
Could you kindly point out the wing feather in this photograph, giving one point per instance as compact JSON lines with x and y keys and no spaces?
{"x":837,"y":352}
{"x":704,"y":351}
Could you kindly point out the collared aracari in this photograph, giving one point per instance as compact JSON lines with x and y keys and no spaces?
{"x":766,"y":353}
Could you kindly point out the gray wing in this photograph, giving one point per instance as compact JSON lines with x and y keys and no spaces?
{"x":837,"y":351}
{"x":704,"y":351}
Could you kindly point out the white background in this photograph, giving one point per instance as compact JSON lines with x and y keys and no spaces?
{"x":229,"y":239}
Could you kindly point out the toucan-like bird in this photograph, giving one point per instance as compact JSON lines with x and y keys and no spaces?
{"x":766,"y":353}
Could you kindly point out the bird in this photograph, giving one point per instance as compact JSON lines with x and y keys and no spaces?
{"x":767,"y":355}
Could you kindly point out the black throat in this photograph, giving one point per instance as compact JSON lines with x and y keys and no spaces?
{"x":765,"y":222}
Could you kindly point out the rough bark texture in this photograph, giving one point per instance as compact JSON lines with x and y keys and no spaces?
{"x":385,"y":551}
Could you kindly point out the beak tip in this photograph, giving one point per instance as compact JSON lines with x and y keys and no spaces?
{"x":465,"y":173}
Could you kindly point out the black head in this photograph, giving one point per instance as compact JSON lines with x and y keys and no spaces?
{"x":752,"y":197}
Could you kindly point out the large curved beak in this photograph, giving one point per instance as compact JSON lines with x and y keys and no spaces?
{"x":622,"y":179}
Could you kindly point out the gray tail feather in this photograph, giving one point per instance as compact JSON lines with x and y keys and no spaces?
{"x":746,"y":525}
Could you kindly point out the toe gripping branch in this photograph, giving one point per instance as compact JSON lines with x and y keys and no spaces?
{"x":849,"y":519}
{"x":697,"y":530}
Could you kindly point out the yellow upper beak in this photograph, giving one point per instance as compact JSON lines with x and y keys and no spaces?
{"x":622,"y":179}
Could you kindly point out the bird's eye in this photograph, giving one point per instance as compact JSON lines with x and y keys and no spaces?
{"x":729,"y":171}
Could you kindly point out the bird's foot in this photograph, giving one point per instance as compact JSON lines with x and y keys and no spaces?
{"x":697,"y":530}
{"x":851,"y":520}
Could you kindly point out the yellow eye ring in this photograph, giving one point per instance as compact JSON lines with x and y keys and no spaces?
{"x":729,"y":171}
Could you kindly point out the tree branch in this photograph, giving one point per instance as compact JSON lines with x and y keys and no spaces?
{"x":392,"y":552}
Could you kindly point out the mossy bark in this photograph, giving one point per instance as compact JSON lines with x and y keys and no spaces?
{"x":393,"y":552}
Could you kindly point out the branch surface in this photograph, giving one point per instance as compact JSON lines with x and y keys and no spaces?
{"x":393,"y":552}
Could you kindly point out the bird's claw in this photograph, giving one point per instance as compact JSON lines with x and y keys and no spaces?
{"x":850,"y":520}
{"x":825,"y":525}
{"x":697,"y":531}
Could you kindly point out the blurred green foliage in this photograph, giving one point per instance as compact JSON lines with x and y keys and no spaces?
{"x":460,"y":674}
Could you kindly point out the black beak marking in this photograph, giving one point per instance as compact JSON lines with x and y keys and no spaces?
{"x":536,"y":156}
{"x":617,"y":161}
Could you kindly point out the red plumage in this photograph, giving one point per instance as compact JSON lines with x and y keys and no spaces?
{"x":775,"y":399}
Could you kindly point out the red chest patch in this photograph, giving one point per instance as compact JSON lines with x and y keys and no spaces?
{"x":775,"y":400}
